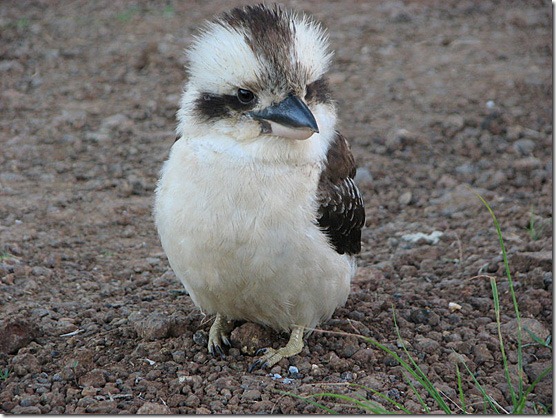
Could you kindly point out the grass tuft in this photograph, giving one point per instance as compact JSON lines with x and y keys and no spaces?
{"x":519,"y":397}
{"x":4,"y":255}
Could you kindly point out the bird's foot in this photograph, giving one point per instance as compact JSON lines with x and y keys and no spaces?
{"x":219,"y":335}
{"x":270,"y":356}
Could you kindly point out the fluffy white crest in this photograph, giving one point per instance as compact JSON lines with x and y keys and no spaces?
{"x":220,"y":60}
{"x":229,"y":54}
{"x":311,"y":46}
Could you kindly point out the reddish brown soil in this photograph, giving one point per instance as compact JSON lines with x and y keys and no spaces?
{"x":439,"y":99}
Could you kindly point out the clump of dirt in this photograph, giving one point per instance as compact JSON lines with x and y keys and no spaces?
{"x":439,"y":100}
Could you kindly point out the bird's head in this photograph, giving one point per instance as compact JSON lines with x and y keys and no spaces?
{"x":259,"y":72}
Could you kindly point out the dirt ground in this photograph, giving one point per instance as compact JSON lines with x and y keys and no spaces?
{"x":438,"y":98}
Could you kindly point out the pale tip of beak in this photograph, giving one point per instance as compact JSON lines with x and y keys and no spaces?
{"x":291,"y":133}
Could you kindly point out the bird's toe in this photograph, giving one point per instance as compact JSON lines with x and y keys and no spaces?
{"x":215,"y":349}
{"x":269,"y":358}
{"x":218,"y":336}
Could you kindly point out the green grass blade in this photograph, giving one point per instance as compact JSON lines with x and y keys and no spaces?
{"x":366,"y":405}
{"x":417,"y":373}
{"x":523,"y":399}
{"x":482,"y":390}
{"x":535,"y":338}
{"x":507,"y":374}
{"x":460,"y":391}
{"x":423,"y":379}
{"x":512,"y":293}
{"x":382,"y":396}
{"x":308,"y":400}
{"x":414,"y":371}
{"x":419,"y":398}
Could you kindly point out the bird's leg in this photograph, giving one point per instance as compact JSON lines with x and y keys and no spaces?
{"x":219,"y":334}
{"x":270,"y":356}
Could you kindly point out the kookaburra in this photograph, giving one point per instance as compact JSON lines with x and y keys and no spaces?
{"x":256,"y":206}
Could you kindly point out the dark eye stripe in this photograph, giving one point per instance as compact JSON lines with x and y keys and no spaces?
{"x":213,"y":106}
{"x":319,"y":91}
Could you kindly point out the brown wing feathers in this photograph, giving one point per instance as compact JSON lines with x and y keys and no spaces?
{"x":341,"y":214}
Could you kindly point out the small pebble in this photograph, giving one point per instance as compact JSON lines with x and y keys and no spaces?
{"x":293,"y":373}
{"x":394,"y":394}
{"x":251,"y":395}
{"x":346,"y":376}
{"x":431,"y":238}
{"x":405,"y":198}
{"x":524,"y":146}
{"x":179,"y":356}
{"x":200,"y":338}
{"x":31,"y":401}
{"x":454,"y":306}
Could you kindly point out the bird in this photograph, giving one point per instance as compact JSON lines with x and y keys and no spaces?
{"x":256,"y":205}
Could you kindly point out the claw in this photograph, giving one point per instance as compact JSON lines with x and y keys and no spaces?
{"x":261,"y":351}
{"x":257,"y":364}
{"x":218,"y":336}
{"x":219,"y":351}
{"x":253,"y":366}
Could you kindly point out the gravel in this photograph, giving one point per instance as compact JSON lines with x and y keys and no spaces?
{"x":438,"y":101}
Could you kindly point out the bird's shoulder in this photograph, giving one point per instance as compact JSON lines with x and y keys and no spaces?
{"x":341,"y":213}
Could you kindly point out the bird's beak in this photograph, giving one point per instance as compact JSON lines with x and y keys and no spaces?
{"x":291,"y":118}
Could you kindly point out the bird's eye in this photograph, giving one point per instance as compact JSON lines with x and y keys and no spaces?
{"x":245,"y":96}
